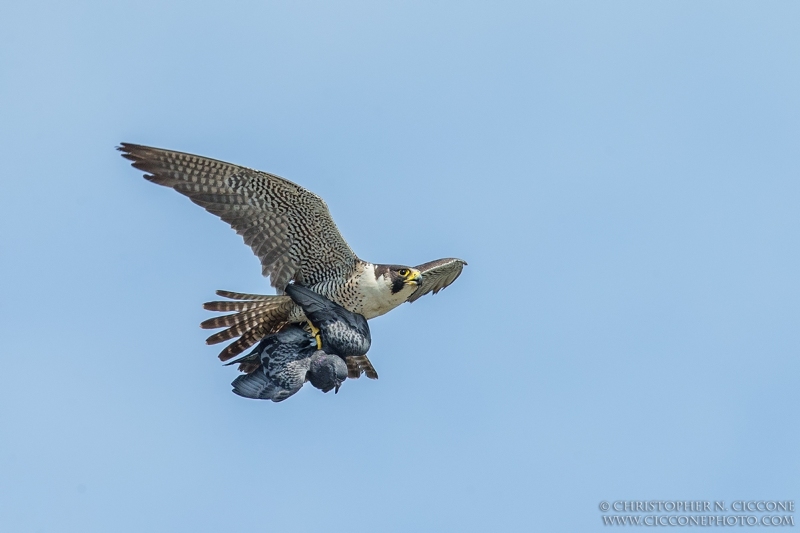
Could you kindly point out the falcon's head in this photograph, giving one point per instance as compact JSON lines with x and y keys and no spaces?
{"x":403,"y":277}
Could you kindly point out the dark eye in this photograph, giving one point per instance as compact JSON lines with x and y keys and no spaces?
{"x":403,"y":272}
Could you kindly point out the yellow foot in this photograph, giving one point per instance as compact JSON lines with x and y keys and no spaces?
{"x":315,"y":332}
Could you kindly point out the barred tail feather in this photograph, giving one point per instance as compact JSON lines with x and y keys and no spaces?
{"x":231,"y":333}
{"x":360,"y":364}
{"x":248,"y":338}
{"x":236,"y":319}
{"x":256,"y":316}
{"x":270,"y":322}
{"x":245,"y":296}
{"x":248,"y":363}
{"x":225,"y":307}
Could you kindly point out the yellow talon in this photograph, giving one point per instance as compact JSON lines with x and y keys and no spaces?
{"x":317,"y":336}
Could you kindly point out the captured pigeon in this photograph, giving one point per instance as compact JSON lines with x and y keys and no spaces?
{"x":342,"y":332}
{"x":284,"y":361}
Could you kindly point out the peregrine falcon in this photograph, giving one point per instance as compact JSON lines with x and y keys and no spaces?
{"x":284,"y":361}
{"x":291,"y":231}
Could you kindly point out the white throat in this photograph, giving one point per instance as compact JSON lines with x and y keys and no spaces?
{"x":377,"y":293}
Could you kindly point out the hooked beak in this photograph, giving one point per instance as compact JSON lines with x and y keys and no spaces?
{"x":336,"y":388}
{"x":415,"y":277}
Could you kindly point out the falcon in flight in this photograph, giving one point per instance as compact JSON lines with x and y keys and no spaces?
{"x":291,"y":231}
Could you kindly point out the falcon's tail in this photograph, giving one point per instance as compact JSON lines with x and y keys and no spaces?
{"x":248,"y":363}
{"x":358,"y":364}
{"x":255,"y":317}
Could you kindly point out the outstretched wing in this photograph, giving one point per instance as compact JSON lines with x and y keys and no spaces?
{"x":288,"y":227}
{"x":436,"y":275}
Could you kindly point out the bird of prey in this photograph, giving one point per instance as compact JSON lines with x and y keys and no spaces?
{"x":291,"y":231}
{"x":284,"y":361}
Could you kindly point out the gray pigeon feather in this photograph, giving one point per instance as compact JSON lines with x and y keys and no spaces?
{"x":344,"y":333}
{"x":285,"y":360}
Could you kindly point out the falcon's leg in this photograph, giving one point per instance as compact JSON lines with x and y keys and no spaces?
{"x":315,"y":332}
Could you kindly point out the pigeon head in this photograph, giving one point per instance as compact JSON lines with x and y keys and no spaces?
{"x":327,"y":371}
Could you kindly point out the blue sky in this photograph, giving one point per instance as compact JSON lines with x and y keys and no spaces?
{"x":622,"y":178}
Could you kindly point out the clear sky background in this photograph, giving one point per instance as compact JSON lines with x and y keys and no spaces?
{"x":622,"y":178}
